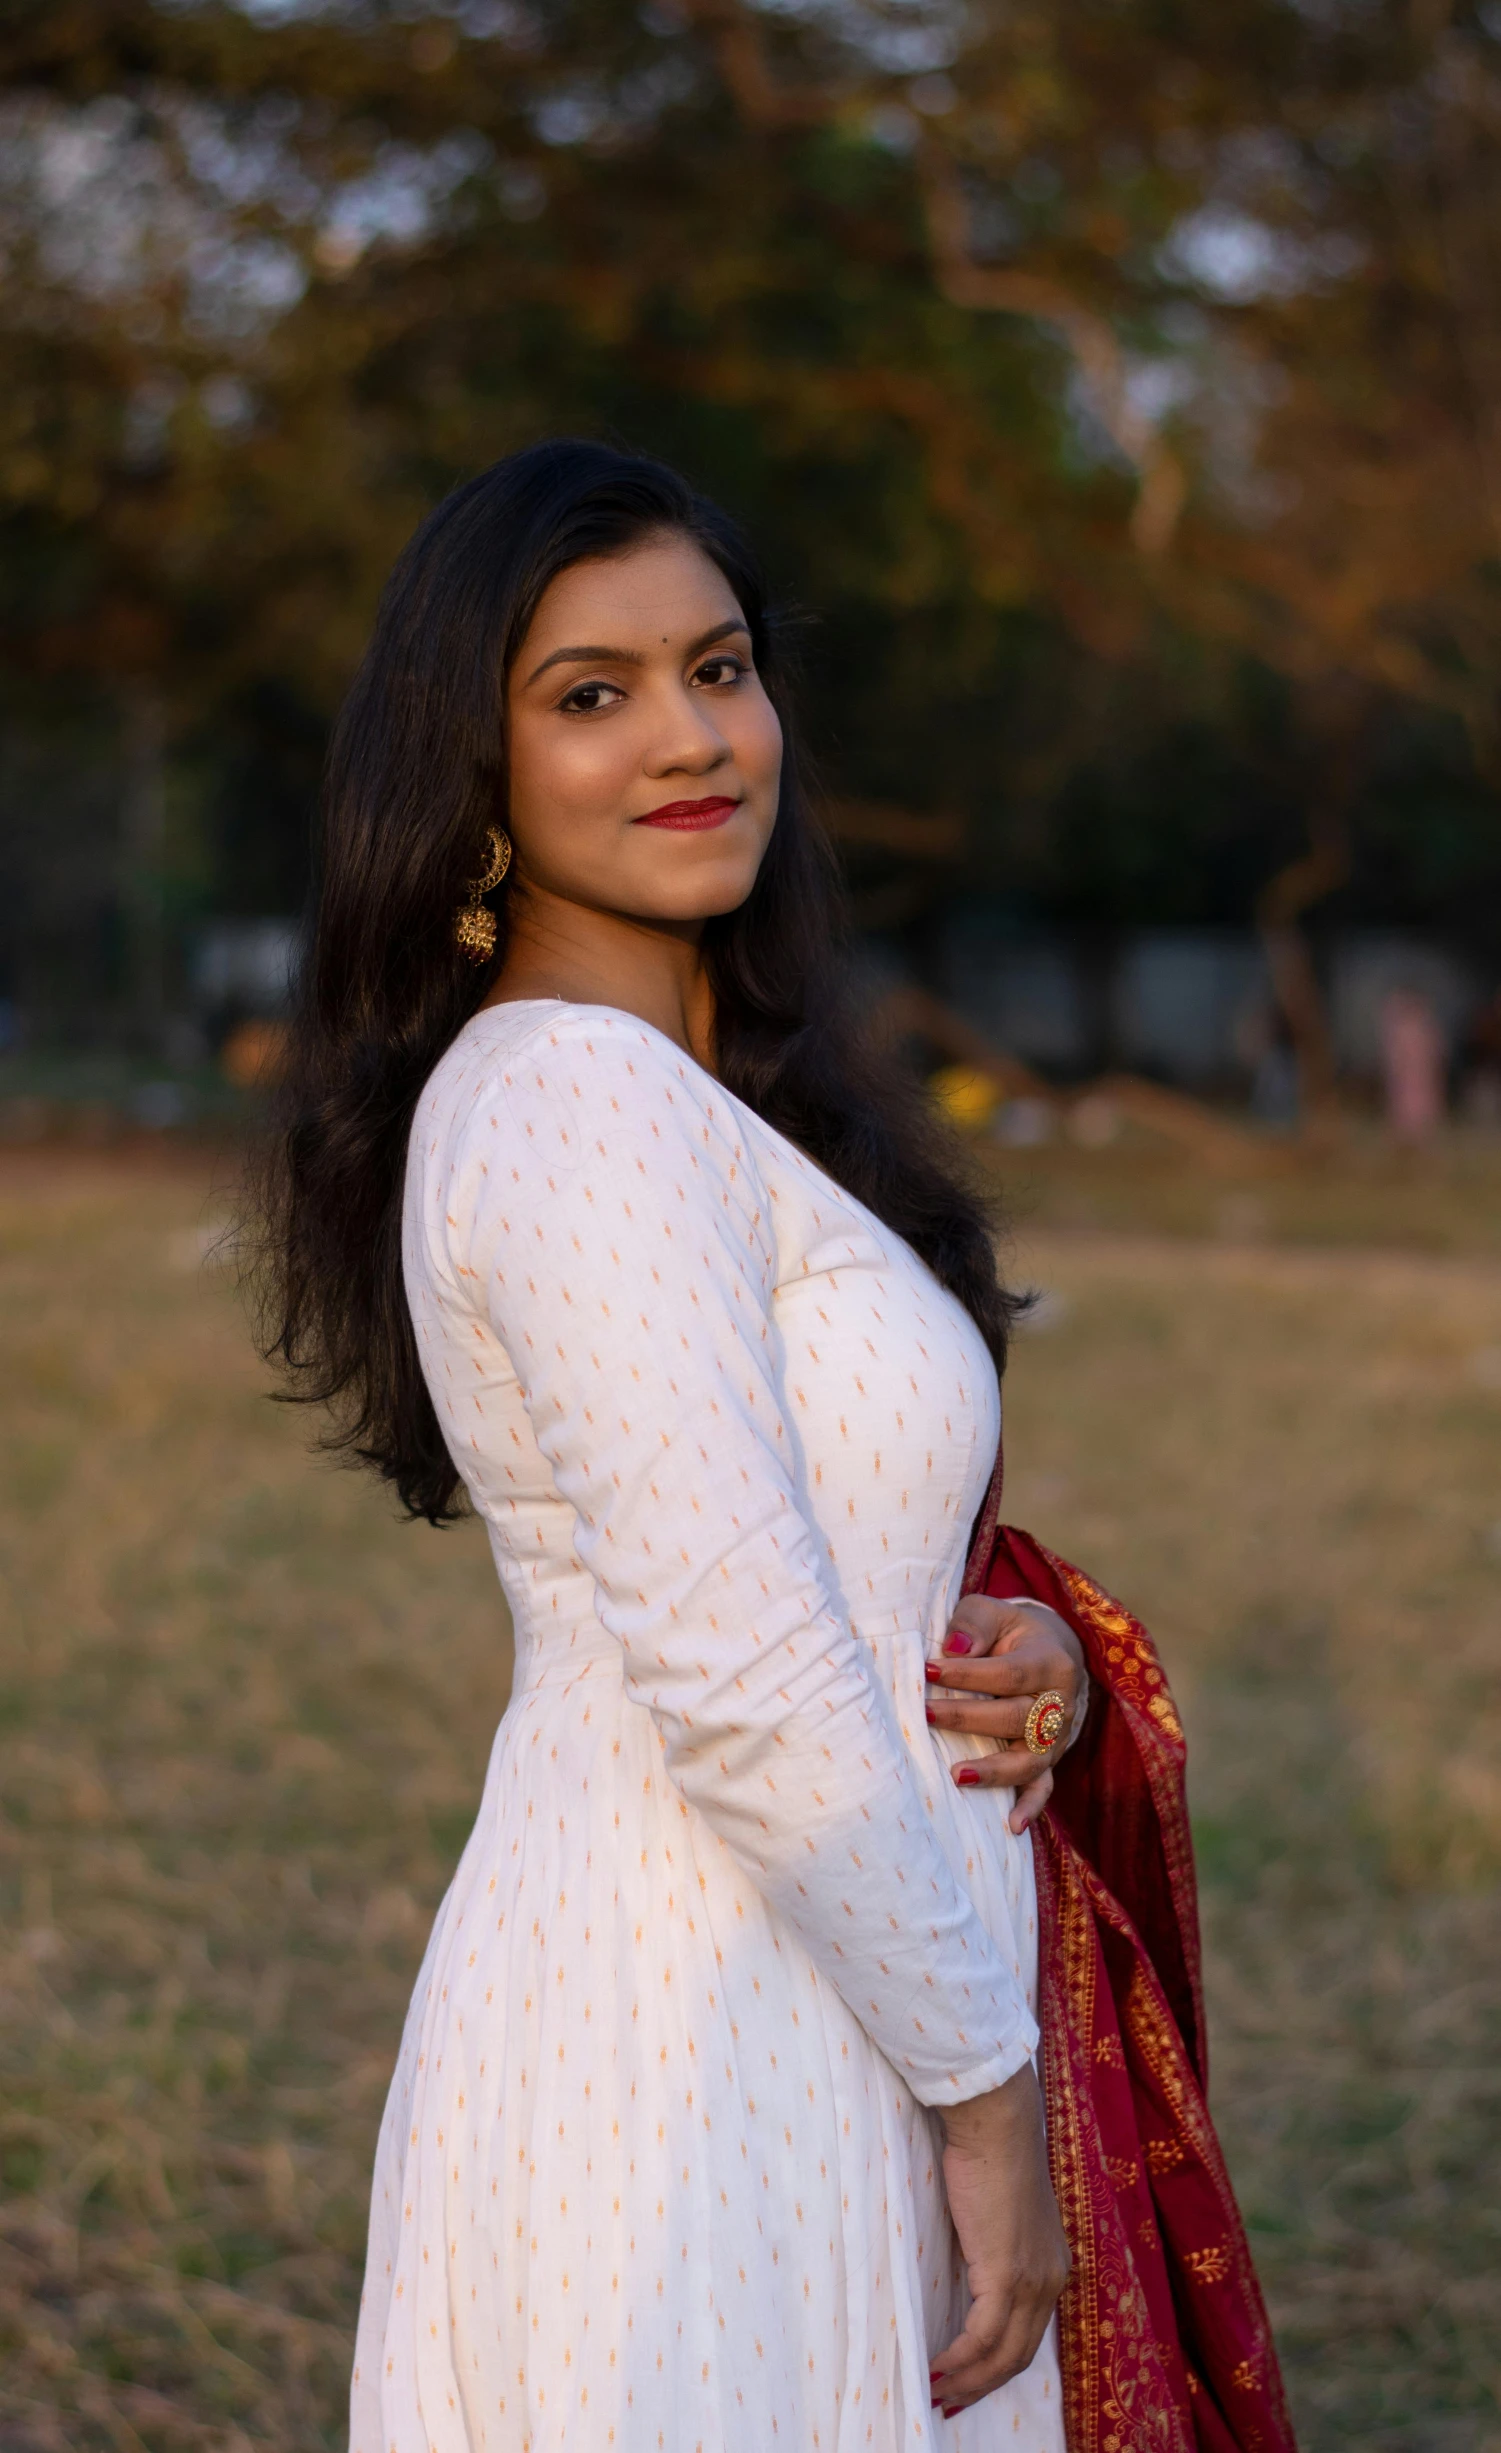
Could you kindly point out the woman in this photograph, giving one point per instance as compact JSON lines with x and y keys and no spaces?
{"x":715,"y":2123}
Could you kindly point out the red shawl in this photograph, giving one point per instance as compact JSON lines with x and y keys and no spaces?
{"x":1164,"y":2334}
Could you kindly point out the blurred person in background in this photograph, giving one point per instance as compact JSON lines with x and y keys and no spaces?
{"x":1414,"y":1062}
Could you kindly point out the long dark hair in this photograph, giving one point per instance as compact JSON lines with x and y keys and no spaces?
{"x":416,"y":773}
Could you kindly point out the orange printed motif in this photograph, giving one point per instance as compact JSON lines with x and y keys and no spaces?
{"x":1209,"y":2265}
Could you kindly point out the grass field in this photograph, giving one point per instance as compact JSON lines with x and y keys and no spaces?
{"x":246,"y":1716}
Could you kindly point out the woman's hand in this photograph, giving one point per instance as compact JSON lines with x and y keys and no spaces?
{"x":1004,"y":1654}
{"x":995,"y":2172}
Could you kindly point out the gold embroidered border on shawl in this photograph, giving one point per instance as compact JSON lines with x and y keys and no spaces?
{"x":1059,"y":1911}
{"x":1143,"y":1694}
{"x":1229,"y":2260}
{"x":1117,"y":2397}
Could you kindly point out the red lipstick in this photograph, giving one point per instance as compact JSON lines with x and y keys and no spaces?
{"x":690,"y":817}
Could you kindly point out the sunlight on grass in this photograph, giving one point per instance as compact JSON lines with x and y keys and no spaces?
{"x":246,"y":1715}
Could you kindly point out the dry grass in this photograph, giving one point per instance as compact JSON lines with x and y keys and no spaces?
{"x":1288,"y":1461}
{"x":1446,"y":1199}
{"x":246,"y":1717}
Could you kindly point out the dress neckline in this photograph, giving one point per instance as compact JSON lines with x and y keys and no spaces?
{"x":621,"y":1013}
{"x":839,"y":1192}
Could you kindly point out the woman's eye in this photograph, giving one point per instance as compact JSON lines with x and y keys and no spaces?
{"x":718,"y":671}
{"x":588,"y":697}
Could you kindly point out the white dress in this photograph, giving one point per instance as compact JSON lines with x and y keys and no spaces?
{"x":656,"y":2170}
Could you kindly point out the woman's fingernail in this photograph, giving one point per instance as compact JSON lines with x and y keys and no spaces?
{"x":929,"y":1715}
{"x":930,"y":1669}
{"x":956,"y":1641}
{"x":966,"y":1776}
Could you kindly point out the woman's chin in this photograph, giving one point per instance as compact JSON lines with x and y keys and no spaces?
{"x":696,"y":889}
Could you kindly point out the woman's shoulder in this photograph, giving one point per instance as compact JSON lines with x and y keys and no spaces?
{"x":587,"y":1054}
{"x":548,"y":1077}
{"x":552,"y":1033}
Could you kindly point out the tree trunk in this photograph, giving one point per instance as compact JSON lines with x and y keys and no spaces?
{"x":1295,"y":980}
{"x":1339,"y":720}
{"x":143,"y":827}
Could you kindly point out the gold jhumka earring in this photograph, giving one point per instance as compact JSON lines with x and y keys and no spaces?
{"x":475,"y":925}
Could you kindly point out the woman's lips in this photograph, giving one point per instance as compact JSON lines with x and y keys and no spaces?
{"x":689,"y":816}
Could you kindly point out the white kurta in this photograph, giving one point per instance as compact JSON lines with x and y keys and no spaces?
{"x":656,"y":2170}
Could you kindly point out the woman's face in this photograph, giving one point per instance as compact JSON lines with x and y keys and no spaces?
{"x":645,"y":756}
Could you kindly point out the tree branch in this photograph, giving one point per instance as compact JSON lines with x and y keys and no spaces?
{"x":1161,"y":485}
{"x":760,"y":97}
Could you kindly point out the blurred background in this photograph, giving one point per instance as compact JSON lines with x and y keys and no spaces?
{"x":1114,"y":390}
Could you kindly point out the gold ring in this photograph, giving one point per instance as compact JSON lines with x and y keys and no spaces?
{"x":1046,"y":1722}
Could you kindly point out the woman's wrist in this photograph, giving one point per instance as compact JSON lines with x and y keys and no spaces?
{"x":976,"y":2121}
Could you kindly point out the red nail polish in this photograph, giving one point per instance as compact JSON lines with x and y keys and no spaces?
{"x":966,"y":1776}
{"x":930,"y":1669}
{"x":930,"y":1716}
{"x":957,"y":1641}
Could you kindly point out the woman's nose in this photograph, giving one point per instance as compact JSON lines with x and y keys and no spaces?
{"x":690,"y":739}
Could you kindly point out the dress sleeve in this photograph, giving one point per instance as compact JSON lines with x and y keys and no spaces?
{"x":617,"y":1230}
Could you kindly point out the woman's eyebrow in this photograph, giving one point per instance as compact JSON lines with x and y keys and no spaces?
{"x":721,"y":630}
{"x":631,"y":655}
{"x":585,"y":655}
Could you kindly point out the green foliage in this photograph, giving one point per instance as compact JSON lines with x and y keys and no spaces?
{"x":1073,"y":365}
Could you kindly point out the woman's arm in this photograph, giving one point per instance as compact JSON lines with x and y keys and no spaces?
{"x":1016,"y":2258}
{"x":606,"y":1214}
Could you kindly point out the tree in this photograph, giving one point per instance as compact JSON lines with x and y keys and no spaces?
{"x":1069,"y":356}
